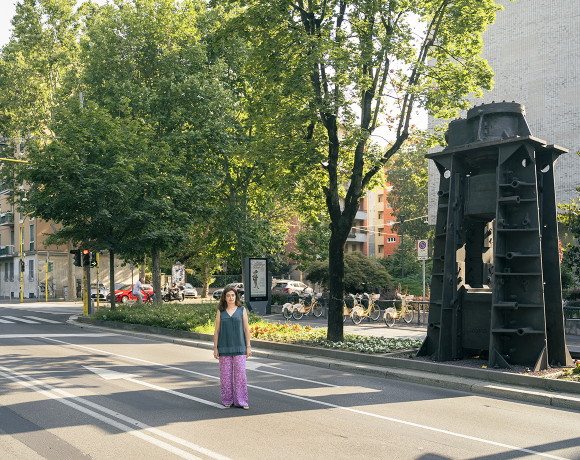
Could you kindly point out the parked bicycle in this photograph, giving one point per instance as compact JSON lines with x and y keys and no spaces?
{"x":308,"y":304}
{"x":289,"y":307}
{"x":371,"y":311}
{"x":346,"y":310}
{"x":406,"y":314}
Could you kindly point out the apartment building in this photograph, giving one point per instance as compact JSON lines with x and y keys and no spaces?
{"x":36,"y":255}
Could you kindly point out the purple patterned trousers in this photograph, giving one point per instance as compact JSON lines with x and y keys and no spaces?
{"x":233,"y":381}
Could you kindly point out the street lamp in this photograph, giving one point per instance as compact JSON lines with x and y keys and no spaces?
{"x":402,"y":219}
{"x":21,"y":259}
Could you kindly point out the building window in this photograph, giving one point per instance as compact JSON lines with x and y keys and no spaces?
{"x":381,"y":249}
{"x":380,"y":198}
{"x":12,"y":238}
{"x":392,"y":239}
{"x":391,"y":222}
{"x":6,"y":271}
{"x":380,"y":216}
{"x":388,"y":205}
{"x":11,"y":274}
{"x":380,"y":233}
{"x":31,"y":270}
{"x":31,"y":237}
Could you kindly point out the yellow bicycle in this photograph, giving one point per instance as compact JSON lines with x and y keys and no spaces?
{"x":346,"y":311}
{"x":372,"y":311}
{"x":406,"y":314}
{"x":301,"y":309}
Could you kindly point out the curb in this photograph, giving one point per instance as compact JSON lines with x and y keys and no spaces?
{"x":530,"y":389}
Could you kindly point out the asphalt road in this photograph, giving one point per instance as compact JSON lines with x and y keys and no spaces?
{"x":66,"y":393}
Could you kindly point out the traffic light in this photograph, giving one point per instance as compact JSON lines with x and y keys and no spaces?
{"x":77,"y":257}
{"x":49,"y":267}
{"x":21,"y":265}
{"x":86,"y":258}
{"x":93,"y":259}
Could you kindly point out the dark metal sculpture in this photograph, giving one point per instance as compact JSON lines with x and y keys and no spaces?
{"x":496,"y":286}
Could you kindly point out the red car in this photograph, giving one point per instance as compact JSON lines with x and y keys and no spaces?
{"x":125,"y":293}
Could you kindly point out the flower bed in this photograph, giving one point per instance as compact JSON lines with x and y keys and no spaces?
{"x":571,"y":374}
{"x":201,"y":318}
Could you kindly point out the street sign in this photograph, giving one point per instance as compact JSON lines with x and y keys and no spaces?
{"x":422,"y":250}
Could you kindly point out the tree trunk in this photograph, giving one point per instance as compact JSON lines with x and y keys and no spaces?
{"x":336,"y":285}
{"x":112,"y":278}
{"x":70,"y":274}
{"x":205,"y":287}
{"x":156,"y":273}
{"x":142,"y":271}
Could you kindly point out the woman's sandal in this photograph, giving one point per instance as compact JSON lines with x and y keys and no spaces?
{"x":246,"y":407}
{"x":227,"y":405}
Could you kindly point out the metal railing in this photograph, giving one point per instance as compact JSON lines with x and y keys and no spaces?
{"x":6,"y":218}
{"x":6,"y":250}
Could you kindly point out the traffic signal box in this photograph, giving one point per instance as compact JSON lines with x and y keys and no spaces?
{"x":77,"y":257}
{"x":86,"y":258}
{"x":93,"y":259}
{"x":21,"y":265}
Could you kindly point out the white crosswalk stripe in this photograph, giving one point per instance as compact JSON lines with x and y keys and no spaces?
{"x":23,"y":320}
{"x":44,"y":320}
{"x":5,"y":321}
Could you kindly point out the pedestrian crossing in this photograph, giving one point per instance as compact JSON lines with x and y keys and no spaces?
{"x":27,"y":320}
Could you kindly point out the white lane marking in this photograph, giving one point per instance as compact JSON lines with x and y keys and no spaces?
{"x":43,"y":336}
{"x":22,"y":320}
{"x":253,"y":366}
{"x":130,"y":430}
{"x":44,"y":320}
{"x":390,"y":419}
{"x":6,"y":321}
{"x":110,"y":374}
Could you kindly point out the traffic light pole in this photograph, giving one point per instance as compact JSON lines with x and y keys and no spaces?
{"x":22,"y":259}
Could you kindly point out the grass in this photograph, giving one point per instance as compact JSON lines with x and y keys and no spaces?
{"x":201,"y":318}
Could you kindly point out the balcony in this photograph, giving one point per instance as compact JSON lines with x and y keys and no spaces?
{"x":7,"y":218}
{"x":361,"y":215}
{"x":6,"y":251}
{"x":356,"y":237}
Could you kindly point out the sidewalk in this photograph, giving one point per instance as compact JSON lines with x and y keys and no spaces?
{"x":557,"y":393}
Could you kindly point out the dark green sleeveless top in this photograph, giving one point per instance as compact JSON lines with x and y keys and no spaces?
{"x":231,"y":338}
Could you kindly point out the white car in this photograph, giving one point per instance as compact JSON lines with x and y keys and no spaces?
{"x":101,"y":288}
{"x":288,"y":287}
{"x":189,"y":291}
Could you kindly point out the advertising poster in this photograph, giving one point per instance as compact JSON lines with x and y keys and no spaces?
{"x":178,"y":274}
{"x":258,"y":279}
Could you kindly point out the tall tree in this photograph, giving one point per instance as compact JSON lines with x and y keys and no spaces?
{"x":408,"y":178}
{"x":340,"y":62}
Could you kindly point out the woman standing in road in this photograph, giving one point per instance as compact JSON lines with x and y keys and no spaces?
{"x":231,"y":345}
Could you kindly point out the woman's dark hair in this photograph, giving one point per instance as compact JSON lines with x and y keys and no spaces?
{"x":222,"y":304}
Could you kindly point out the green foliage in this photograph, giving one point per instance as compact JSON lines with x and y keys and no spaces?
{"x":361,"y":274}
{"x":413,"y":266}
{"x":312,"y":242}
{"x":408,"y":176}
{"x":570,"y":216}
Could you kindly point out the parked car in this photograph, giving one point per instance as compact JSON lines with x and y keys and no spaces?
{"x":102,"y":289}
{"x":189,"y":290}
{"x":289,"y":287}
{"x":126,"y":293}
{"x":238,"y":286}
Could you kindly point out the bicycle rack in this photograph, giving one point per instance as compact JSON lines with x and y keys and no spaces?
{"x":496,"y":277}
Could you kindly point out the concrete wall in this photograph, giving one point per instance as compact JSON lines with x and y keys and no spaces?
{"x":533,"y":49}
